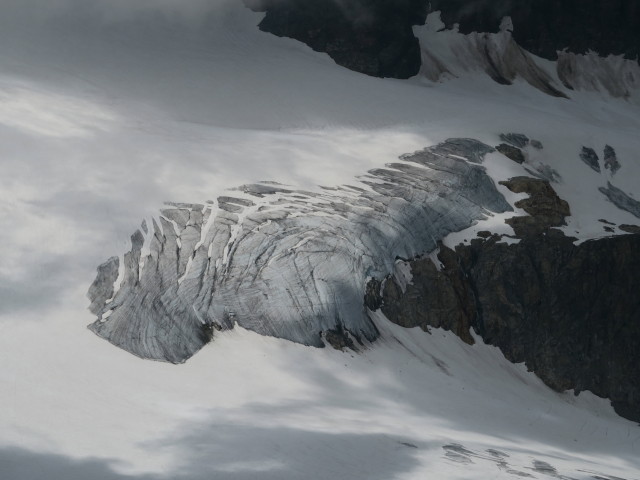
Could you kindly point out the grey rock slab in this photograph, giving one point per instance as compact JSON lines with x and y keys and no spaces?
{"x":513,"y":153}
{"x":621,"y":199}
{"x":102,"y":288}
{"x":611,"y":160}
{"x":590,"y":157}
{"x":518,"y":140}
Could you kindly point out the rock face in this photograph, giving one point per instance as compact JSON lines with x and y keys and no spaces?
{"x":376,"y":37}
{"x":369,"y":36}
{"x":611,"y":162}
{"x":286,"y":263}
{"x":571,"y":312}
{"x":514,"y":153}
{"x":590,"y":157}
{"x":448,"y":53}
{"x":544,"y":207}
{"x":545,"y":27}
{"x":621,"y":200}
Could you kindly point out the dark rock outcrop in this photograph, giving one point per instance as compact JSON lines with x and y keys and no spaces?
{"x":369,"y":36}
{"x":571,"y":312}
{"x":339,"y":338}
{"x":545,"y":27}
{"x":516,"y":139}
{"x":514,"y":153}
{"x":448,"y":301}
{"x":545,"y":208}
{"x":630,"y":228}
{"x":590,"y":157}
{"x":375,"y":36}
{"x":621,"y":200}
{"x":537,"y":144}
{"x":611,"y":160}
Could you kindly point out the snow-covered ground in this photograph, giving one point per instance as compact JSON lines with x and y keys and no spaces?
{"x":106,"y":113}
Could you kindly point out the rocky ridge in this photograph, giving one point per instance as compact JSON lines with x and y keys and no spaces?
{"x":570,"y":312}
{"x":594,"y":45}
{"x":296,"y":264}
{"x":372,"y":37}
{"x":547,"y":27}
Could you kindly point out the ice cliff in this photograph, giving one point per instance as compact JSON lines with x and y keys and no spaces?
{"x":284,"y":262}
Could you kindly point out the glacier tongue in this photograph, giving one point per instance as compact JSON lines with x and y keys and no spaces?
{"x":287,"y":263}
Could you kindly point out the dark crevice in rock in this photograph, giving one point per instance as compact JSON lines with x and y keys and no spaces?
{"x":571,"y":312}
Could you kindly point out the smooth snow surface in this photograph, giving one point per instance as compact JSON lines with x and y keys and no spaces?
{"x":108,"y":111}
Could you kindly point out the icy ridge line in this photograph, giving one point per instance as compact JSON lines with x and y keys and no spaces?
{"x":282,"y":262}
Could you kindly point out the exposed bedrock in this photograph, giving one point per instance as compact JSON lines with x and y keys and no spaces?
{"x":545,"y":27}
{"x":621,"y":199}
{"x":369,"y":36}
{"x":376,"y":37}
{"x":518,"y":140}
{"x":611,"y":162}
{"x":287,"y":263}
{"x":570,"y":312}
{"x":514,"y":153}
{"x":590,"y":157}
{"x":362,"y":33}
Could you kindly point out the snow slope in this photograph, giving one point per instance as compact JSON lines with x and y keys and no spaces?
{"x":105,"y":117}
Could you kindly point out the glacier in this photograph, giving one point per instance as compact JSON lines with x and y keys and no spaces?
{"x":287,"y":263}
{"x":110,"y":108}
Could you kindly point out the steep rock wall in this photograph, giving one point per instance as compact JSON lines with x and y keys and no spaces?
{"x":570,"y":312}
{"x":369,"y":36}
{"x":544,"y":27}
{"x":595,"y":44}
